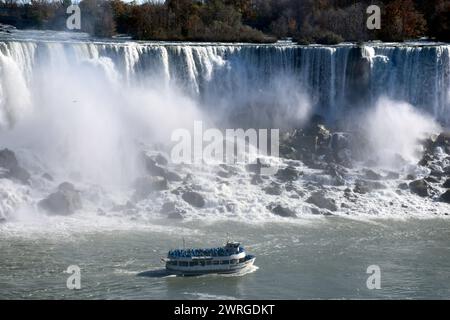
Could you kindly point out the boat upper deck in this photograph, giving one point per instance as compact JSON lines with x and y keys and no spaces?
{"x":202,"y":253}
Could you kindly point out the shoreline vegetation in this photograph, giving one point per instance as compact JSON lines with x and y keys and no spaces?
{"x":254,"y":21}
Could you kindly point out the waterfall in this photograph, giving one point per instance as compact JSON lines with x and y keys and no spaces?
{"x":245,"y":81}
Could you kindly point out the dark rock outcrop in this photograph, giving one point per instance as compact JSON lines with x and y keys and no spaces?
{"x":445,"y":197}
{"x":403,"y":186}
{"x":273,"y":189}
{"x":420,"y":187}
{"x":318,"y":199}
{"x":11,"y":168}
{"x":364,"y":186}
{"x":282,"y":211}
{"x":372,"y":175}
{"x":288,"y":174}
{"x":446,"y":184}
{"x":443,"y":141}
{"x":65,"y":201}
{"x":195,"y":199}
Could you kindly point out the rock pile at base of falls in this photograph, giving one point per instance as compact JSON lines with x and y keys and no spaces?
{"x":10,"y":168}
{"x":65,"y":201}
{"x":436,"y":159}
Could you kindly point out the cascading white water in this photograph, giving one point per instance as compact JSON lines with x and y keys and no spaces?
{"x":77,"y":106}
{"x":234,"y":79}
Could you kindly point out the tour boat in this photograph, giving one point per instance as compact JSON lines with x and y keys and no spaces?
{"x":230,"y":258}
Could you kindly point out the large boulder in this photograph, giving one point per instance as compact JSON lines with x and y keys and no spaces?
{"x":274,"y":189}
{"x":152,"y":166}
{"x":445,"y":197}
{"x":65,"y":201}
{"x":195,"y":199}
{"x":446,"y":184}
{"x":10,"y":167}
{"x":443,"y":140}
{"x":420,"y":187}
{"x":318,"y":199}
{"x":364,"y":186}
{"x":282,"y":211}
{"x":372,"y":175}
{"x":288,"y":174}
{"x":8,"y":159}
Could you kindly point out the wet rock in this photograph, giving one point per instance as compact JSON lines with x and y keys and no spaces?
{"x":161,"y":160}
{"x":432,"y":179}
{"x":172,"y":176}
{"x":12,"y":170}
{"x":152,"y":167}
{"x":20,"y":174}
{"x":195,"y":199}
{"x":445,"y":197}
{"x":364,"y":186}
{"x":446,"y":184}
{"x":288,"y":174}
{"x":65,"y":201}
{"x":273,"y":189}
{"x":420,"y":187}
{"x":8,"y":159}
{"x":447,"y":171}
{"x":168,"y":207}
{"x":288,"y":152}
{"x":147,"y":185}
{"x":426,"y":160}
{"x":282,"y":211}
{"x":403,"y":186}
{"x":372,"y":175}
{"x":443,"y":140}
{"x":411,"y":177}
{"x":318,"y":199}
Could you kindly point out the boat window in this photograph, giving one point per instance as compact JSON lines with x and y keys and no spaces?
{"x":193,"y":263}
{"x":216,"y":262}
{"x":234,"y":261}
{"x":202,"y":263}
{"x":183,"y":264}
{"x":208,"y":263}
{"x":241,"y":260}
{"x":225,"y":262}
{"x":172,"y":263}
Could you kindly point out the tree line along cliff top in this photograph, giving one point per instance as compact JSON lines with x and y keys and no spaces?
{"x":261,"y":21}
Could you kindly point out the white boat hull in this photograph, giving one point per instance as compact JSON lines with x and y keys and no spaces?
{"x":210,"y":269}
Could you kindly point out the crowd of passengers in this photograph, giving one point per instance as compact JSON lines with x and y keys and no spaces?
{"x":214,"y":252}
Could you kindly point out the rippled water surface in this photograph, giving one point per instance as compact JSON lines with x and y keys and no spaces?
{"x":319,"y":258}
